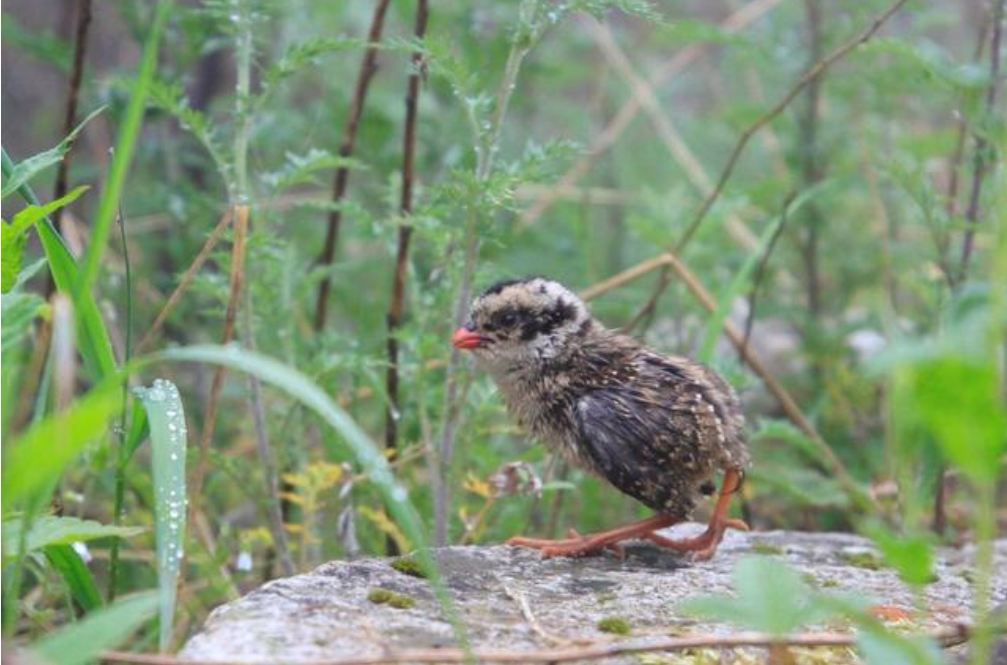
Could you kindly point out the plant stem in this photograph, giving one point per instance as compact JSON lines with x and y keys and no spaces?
{"x":979,"y":159}
{"x":368,"y":67}
{"x":72,"y":98}
{"x":487,"y":147}
{"x":120,"y":467}
{"x":397,"y":306}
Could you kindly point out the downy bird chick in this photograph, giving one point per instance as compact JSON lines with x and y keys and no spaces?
{"x":656,"y":427}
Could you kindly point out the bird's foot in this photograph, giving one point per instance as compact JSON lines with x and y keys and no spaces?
{"x":575,"y":546}
{"x":703,"y":546}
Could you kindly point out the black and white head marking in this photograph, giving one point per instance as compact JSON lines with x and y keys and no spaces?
{"x":531,"y":319}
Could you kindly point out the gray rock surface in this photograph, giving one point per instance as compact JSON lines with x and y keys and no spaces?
{"x":511,"y":598}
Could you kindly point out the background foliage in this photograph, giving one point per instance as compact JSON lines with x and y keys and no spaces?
{"x":858,"y":248}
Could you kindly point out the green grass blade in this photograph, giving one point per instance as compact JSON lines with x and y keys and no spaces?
{"x":125,"y":144}
{"x":364,"y":449}
{"x":55,"y":530}
{"x":38,"y":457}
{"x":166,"y":420}
{"x":92,"y":335}
{"x":740,"y":283}
{"x":81,"y":642}
{"x":76,"y":574}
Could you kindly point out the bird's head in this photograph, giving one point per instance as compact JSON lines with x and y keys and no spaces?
{"x":521,"y":321}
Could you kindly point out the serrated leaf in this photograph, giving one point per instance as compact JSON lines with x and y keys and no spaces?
{"x":14,"y":236}
{"x":31,"y":167}
{"x":54,"y":530}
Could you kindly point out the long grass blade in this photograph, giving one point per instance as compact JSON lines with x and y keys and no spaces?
{"x":81,"y":642}
{"x":124,"y":146}
{"x":166,"y":419}
{"x":364,"y":449}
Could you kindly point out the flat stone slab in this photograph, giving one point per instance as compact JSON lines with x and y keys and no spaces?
{"x":511,"y":598}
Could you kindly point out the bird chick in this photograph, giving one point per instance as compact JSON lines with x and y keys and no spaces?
{"x":656,"y":427}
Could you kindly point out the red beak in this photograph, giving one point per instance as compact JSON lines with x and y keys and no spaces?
{"x":466,"y":339}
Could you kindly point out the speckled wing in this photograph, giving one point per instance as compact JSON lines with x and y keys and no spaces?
{"x":660,"y":436}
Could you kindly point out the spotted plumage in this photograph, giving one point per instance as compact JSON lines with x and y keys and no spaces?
{"x":657,"y":427}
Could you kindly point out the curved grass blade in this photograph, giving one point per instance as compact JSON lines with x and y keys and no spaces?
{"x":364,"y":449}
{"x":81,"y":642}
{"x":75,"y":573}
{"x":166,"y":420}
{"x":715,"y":324}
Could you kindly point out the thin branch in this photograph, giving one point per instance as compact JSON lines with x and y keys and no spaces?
{"x":979,"y":159}
{"x":397,"y":306}
{"x":72,"y":100}
{"x":270,"y":471}
{"x":666,"y":130}
{"x":809,"y":77}
{"x":186,"y":281}
{"x":368,"y":67}
{"x":486,"y":150}
{"x":768,"y":116}
{"x":624,"y":117}
{"x":210,"y":419}
{"x":760,"y":272}
{"x":947,"y":636}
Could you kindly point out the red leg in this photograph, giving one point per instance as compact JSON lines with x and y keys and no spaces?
{"x":577,"y":545}
{"x":705,"y":545}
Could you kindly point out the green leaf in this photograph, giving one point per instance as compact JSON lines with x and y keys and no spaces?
{"x":911,"y":555}
{"x":770,"y":598}
{"x":883,"y":647}
{"x":19,"y":311}
{"x":53,"y":530}
{"x":38,"y":457}
{"x":960,"y":401}
{"x":303,"y":169}
{"x":76,"y":574}
{"x":14,"y":236}
{"x":31,"y":167}
{"x":81,"y":642}
{"x":92,"y":336}
{"x":166,"y":419}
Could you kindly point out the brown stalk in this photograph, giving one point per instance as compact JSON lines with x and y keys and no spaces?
{"x":185,"y":282}
{"x":811,"y":174}
{"x":979,"y":159}
{"x":240,"y":215}
{"x":768,"y":116}
{"x":72,"y":99}
{"x":397,"y":306}
{"x":368,"y":67}
{"x":947,"y":636}
{"x":734,"y":23}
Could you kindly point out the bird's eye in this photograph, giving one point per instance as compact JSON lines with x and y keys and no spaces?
{"x":508,"y":319}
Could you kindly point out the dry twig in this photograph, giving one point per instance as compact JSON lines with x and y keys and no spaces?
{"x":733,"y":24}
{"x":72,"y":99}
{"x":185,"y":282}
{"x":368,"y":67}
{"x":947,"y":637}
